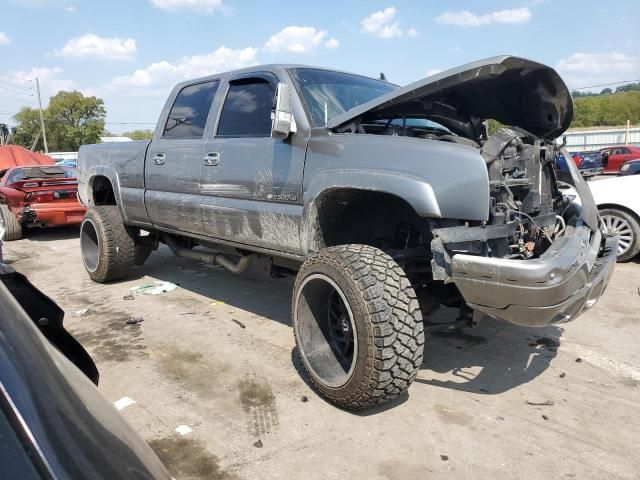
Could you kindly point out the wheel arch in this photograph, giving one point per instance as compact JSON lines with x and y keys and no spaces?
{"x":617,"y":206}
{"x":102,"y":187}
{"x":369,"y":216}
{"x":415,"y":198}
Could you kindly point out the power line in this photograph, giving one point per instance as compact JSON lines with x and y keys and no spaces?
{"x":606,"y":84}
{"x":20,"y":101}
{"x":16,"y":85}
{"x":16,"y":80}
{"x":17,"y":92}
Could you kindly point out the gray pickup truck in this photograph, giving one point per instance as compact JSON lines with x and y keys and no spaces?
{"x":385,"y":202}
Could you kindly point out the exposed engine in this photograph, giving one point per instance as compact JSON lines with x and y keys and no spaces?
{"x":523,"y":190}
{"x":525,"y":200}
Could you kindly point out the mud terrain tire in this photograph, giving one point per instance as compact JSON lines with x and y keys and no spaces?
{"x":13,"y":228}
{"x":387,"y":334}
{"x":107,"y":246}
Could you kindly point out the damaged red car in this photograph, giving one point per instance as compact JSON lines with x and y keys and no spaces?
{"x":38,"y":196}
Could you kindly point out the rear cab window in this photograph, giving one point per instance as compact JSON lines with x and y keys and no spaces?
{"x":188,"y":115}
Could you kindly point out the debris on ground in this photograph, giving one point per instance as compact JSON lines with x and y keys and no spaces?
{"x":183,"y":430}
{"x":239,"y":323}
{"x":578,"y":360}
{"x":304,"y":398}
{"x":548,"y":342}
{"x":258,"y":444}
{"x":124,"y":402}
{"x":444,"y":458}
{"x":81,"y":312}
{"x":153,"y":288}
{"x":562,"y":375}
{"x":216,"y":302}
{"x":134,"y":320}
{"x":128,"y":297}
{"x":545,"y":417}
{"x":542,"y":403}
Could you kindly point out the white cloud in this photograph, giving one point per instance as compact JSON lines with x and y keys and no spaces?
{"x":201,"y":6}
{"x":4,"y":39}
{"x":93,"y":46}
{"x":332,"y":43}
{"x":294,"y":39}
{"x":161,"y":75}
{"x":49,"y":78}
{"x":465,"y":18}
{"x":584,"y":69}
{"x":70,"y":9}
{"x":382,"y":24}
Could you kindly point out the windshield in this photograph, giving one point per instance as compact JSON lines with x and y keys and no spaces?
{"x":328,"y":94}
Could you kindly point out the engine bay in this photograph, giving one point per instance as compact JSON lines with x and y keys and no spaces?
{"x":526,"y":207}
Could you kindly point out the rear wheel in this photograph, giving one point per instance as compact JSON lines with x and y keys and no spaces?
{"x":618,"y":222}
{"x":12,"y":228}
{"x":357,"y":325}
{"x":107,"y":246}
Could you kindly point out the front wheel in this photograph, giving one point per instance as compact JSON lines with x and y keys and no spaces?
{"x":357,"y":325}
{"x":618,"y":222}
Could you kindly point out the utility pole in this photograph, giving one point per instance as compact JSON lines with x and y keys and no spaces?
{"x":44,"y":135}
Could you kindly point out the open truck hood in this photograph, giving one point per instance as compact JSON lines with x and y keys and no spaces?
{"x":511,"y":90}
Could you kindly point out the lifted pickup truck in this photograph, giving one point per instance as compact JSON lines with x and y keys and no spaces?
{"x":386,"y":203}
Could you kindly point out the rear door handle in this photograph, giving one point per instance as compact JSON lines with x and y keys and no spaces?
{"x":211,"y":159}
{"x":159,"y":158}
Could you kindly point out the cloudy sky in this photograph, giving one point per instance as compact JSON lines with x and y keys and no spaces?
{"x":131,"y":52}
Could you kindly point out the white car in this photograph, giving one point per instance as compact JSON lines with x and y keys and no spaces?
{"x":618,"y":201}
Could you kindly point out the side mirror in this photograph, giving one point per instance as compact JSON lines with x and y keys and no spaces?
{"x":282,"y":121}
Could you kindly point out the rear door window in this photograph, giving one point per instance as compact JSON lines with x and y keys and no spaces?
{"x":188,"y":115}
{"x":247,"y":109}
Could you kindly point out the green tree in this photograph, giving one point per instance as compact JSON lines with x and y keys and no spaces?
{"x":607,"y":110}
{"x":28,"y":128}
{"x":70,"y":120}
{"x":139,"y":134}
{"x":73,"y":120}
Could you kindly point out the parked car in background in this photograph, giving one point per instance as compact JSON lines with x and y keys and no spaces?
{"x":632,"y":167}
{"x":589,"y":164}
{"x":54,"y":423}
{"x":16,"y":156}
{"x":614,"y":157}
{"x":619,"y":204}
{"x":38,"y":196}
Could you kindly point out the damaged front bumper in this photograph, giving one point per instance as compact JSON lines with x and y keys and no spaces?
{"x":565,"y":281}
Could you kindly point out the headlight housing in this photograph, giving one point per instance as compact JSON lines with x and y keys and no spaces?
{"x":624,"y":167}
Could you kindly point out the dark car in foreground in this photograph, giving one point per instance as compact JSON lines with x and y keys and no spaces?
{"x":54,"y":424}
{"x":631,"y":167}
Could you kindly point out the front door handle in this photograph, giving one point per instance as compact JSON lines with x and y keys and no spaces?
{"x":159,"y":158}
{"x":211,"y":159}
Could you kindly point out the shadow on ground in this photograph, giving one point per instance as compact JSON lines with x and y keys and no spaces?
{"x":52,"y":234}
{"x":253,"y":291}
{"x":491,"y":358}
